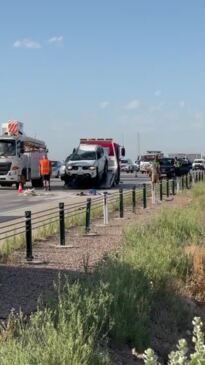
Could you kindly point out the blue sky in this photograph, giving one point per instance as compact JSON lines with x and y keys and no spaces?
{"x":105,"y":68}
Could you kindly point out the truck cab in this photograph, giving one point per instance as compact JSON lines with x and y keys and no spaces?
{"x":19,"y":156}
{"x":87,"y":162}
{"x":101,"y":161}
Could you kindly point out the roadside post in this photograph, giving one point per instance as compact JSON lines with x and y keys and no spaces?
{"x":182,"y":182}
{"x":196,"y":177}
{"x":167,"y":185}
{"x":105,"y":207}
{"x":121,"y":203}
{"x":187,"y":182}
{"x":144,"y":196}
{"x":160,"y":190}
{"x":134,"y":199}
{"x":153,"y":193}
{"x":178,"y":185}
{"x":62,"y":224}
{"x":28,"y":231}
{"x":87,"y":215}
{"x":173,"y":186}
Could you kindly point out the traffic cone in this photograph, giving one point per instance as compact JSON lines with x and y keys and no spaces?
{"x":20,"y":189}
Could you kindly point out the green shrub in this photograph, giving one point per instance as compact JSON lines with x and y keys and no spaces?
{"x":69,"y":334}
{"x":180,"y":356}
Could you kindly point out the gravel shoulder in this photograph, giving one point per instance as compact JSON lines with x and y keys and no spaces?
{"x":22,"y":283}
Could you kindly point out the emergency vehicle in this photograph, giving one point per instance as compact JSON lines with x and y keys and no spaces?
{"x":19,"y":156}
{"x":147,"y":159}
{"x":108,"y":162}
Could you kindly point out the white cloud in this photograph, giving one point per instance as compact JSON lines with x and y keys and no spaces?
{"x":182,"y":104}
{"x":104,"y":104}
{"x":157,"y":93}
{"x":26,"y":43}
{"x":56,"y":40}
{"x":133,"y":104}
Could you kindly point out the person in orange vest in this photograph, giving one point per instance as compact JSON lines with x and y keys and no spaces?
{"x":45,"y":170}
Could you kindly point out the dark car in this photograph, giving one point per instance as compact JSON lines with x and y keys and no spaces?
{"x":167,"y":168}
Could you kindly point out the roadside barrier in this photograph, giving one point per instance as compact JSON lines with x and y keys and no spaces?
{"x":87,"y":218}
{"x":28,"y":231}
{"x":34,"y":226}
{"x":62,"y":224}
{"x":144,"y":196}
{"x":134,"y":199}
{"x":121,"y":203}
{"x":105,"y":208}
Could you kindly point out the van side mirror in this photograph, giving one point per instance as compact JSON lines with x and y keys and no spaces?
{"x":123,"y":151}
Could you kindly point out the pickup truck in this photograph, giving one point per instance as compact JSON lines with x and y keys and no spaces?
{"x":198,"y":164}
{"x":87,"y":162}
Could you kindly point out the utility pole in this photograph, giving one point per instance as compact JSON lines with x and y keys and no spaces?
{"x":138,"y":144}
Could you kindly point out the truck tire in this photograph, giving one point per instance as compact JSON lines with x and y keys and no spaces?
{"x":37,"y":183}
{"x":105,"y":172}
{"x":97,"y":179}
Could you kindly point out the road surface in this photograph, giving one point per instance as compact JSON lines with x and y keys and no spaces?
{"x":13,"y":204}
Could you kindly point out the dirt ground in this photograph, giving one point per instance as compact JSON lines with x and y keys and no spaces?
{"x":22,"y":283}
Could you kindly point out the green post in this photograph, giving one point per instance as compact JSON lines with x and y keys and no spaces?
{"x":134,"y":199}
{"x":144,"y":196}
{"x":28,"y":231}
{"x":62,"y":224}
{"x":167,"y":188}
{"x":121,"y":203}
{"x":160,"y":190}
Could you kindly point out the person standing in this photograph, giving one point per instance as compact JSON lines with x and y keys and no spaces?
{"x":45,"y":170}
{"x":155,"y":170}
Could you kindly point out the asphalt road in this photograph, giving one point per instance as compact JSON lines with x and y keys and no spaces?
{"x":13,"y":204}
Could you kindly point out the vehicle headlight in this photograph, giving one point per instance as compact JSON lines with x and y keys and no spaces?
{"x":92,"y":168}
{"x":69,"y":167}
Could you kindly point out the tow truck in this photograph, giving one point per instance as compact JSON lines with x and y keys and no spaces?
{"x":83,"y":169}
{"x":19,"y":156}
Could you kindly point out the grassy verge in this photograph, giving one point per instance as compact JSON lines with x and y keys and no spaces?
{"x":117,"y":300}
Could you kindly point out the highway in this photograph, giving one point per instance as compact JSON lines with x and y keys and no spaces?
{"x":13,"y":204}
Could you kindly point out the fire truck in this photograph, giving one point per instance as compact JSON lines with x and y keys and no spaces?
{"x":96,"y":160}
{"x":19,"y":156}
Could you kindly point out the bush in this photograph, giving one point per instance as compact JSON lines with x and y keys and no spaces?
{"x":181,"y":357}
{"x":68,"y":334}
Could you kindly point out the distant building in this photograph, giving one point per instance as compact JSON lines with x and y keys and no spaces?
{"x":189,"y":156}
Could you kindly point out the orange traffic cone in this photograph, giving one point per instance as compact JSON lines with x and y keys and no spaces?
{"x":20,"y":189}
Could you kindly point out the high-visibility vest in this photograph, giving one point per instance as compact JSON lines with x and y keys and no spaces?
{"x":44,"y":167}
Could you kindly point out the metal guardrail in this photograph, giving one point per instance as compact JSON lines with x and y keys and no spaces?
{"x":26,"y":225}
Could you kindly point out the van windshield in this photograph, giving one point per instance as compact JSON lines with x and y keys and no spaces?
{"x":7,"y":147}
{"x":83,"y":155}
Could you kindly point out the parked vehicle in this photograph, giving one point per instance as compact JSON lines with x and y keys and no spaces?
{"x":19,"y":156}
{"x":137,"y":165}
{"x":167,"y":168}
{"x":97,"y":160}
{"x":87,"y":162}
{"x":198,"y":164}
{"x":147,"y":159}
{"x":56,"y":165}
{"x":185,"y":167}
{"x":127,"y":165}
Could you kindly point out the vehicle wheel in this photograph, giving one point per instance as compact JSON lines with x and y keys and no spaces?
{"x":37,"y":183}
{"x":97,"y":179}
{"x":105,"y":172}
